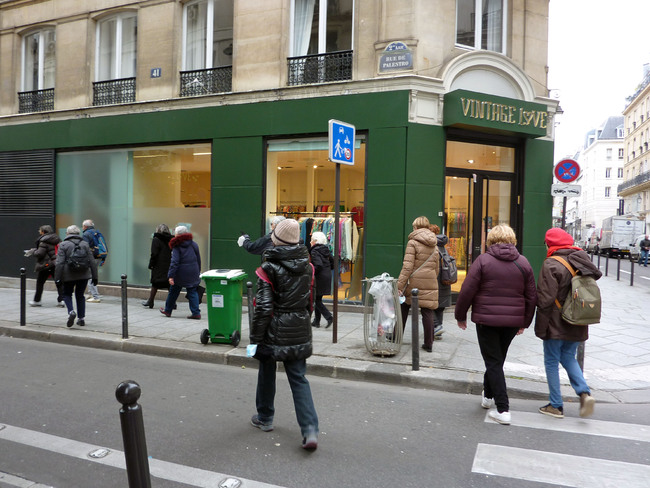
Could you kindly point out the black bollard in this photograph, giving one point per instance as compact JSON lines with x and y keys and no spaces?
{"x":23,"y":293}
{"x":599,"y":261}
{"x":618,"y":267}
{"x":135,"y":444}
{"x":607,"y":265}
{"x":415,"y":329}
{"x":249,"y":294}
{"x":125,"y":313}
{"x":580,"y":355}
{"x":631,"y":272}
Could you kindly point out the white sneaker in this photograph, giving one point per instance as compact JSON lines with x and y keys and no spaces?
{"x":502,"y":418}
{"x":93,"y":300}
{"x":486,"y":402}
{"x":32,"y":303}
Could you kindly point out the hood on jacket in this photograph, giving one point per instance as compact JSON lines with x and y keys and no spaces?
{"x":52,"y":239}
{"x":425,"y":236}
{"x":580,"y":262}
{"x":294,"y":258}
{"x":504,"y":252}
{"x":443,"y":240}
{"x":180,"y":240}
{"x":163,"y":237}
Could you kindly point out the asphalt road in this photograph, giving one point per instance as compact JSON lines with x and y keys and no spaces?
{"x":58,"y":404}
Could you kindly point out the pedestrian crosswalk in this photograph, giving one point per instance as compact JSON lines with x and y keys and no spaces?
{"x":565,"y":469}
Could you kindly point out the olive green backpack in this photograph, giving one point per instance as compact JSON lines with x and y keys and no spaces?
{"x":582,"y":305}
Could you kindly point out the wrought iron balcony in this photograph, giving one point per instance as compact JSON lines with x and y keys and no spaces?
{"x":636,"y":181}
{"x":36,"y":101}
{"x":320,"y":68}
{"x":111,"y":92}
{"x":206,"y":81}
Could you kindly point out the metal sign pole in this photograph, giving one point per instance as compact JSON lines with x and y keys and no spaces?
{"x":337,"y":246}
{"x":563,"y":212}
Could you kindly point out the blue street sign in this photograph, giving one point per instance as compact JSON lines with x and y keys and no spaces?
{"x":341,"y":142}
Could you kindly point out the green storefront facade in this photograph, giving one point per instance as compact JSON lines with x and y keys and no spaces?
{"x":406,"y":167}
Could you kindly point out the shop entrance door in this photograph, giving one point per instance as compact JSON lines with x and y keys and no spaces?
{"x":476,"y":200}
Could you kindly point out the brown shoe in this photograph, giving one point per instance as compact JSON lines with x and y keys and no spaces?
{"x":551,"y":411}
{"x":587,"y":403}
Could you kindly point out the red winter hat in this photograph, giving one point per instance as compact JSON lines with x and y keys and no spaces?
{"x":558,"y":237}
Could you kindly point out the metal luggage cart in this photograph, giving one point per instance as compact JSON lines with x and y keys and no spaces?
{"x":382,"y":317}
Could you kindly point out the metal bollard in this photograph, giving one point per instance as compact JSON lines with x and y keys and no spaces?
{"x":125,"y":313}
{"x":415,"y":329}
{"x":631,"y":272}
{"x":249,"y":294}
{"x":618,"y":267}
{"x":135,"y":444}
{"x":598,"y":261}
{"x":23,"y":293}
{"x":607,"y":265}
{"x":580,"y":356}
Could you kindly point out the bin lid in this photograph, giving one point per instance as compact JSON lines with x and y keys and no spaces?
{"x":223,"y":273}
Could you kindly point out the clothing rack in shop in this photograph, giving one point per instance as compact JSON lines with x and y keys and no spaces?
{"x":315,"y":213}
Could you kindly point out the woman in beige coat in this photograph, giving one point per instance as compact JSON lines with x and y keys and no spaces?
{"x":420,"y":270}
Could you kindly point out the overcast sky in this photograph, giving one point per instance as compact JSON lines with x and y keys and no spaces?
{"x":597,"y":49}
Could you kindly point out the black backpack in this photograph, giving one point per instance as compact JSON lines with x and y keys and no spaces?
{"x":78,"y":260}
{"x":448,"y":270}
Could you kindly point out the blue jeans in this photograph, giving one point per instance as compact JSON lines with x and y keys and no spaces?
{"x":79,"y":288}
{"x":644,"y":257}
{"x":302,"y":400}
{"x":192,"y":297}
{"x":557,"y":351}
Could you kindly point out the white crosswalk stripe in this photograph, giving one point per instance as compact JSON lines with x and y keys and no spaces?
{"x":160,"y":469}
{"x":565,"y":469}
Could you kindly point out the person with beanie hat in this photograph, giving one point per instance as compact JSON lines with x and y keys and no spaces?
{"x":561,"y":339}
{"x":281,"y":329}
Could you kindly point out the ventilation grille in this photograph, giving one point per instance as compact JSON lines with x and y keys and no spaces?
{"x":27,"y":184}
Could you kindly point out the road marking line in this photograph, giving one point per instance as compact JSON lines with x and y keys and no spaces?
{"x":558,"y":469}
{"x":618,"y":430}
{"x":7,"y":479}
{"x":157,"y":468}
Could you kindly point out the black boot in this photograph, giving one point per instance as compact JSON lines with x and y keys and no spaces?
{"x":152,"y":297}
{"x":147,"y":304}
{"x":315,"y":323}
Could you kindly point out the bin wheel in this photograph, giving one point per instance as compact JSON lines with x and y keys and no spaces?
{"x":205,"y":336}
{"x":235,"y":337}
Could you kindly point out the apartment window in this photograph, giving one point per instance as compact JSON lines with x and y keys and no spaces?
{"x":116,"y":54}
{"x":607,"y":190}
{"x":608,"y":172}
{"x":38,"y":72}
{"x":620,"y":172}
{"x":320,"y":41}
{"x":207,"y":39}
{"x":609,"y":153}
{"x":621,"y":153}
{"x":480,"y":24}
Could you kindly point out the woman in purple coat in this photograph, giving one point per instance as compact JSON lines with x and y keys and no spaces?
{"x":500,"y":288}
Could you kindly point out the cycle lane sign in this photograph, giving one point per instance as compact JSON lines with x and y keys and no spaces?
{"x":341,"y":142}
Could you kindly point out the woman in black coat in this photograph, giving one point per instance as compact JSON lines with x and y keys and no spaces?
{"x":323,"y":261}
{"x":161,"y":256}
{"x":45,"y":254}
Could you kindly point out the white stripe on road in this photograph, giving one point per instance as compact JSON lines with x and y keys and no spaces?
{"x":7,"y":479}
{"x":160,"y":469}
{"x":558,"y":469}
{"x":632,"y":432}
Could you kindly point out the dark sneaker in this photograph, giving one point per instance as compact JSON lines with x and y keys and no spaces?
{"x":587,"y":403}
{"x":81,"y":322}
{"x":195,"y":317}
{"x":315,"y":323}
{"x":427,"y":348}
{"x":329,"y":322}
{"x":551,"y":411}
{"x":71,"y":316}
{"x":263,"y":426}
{"x":165,"y":313}
{"x":310,"y":442}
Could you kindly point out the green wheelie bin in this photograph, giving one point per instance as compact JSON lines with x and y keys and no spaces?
{"x":224,"y":288}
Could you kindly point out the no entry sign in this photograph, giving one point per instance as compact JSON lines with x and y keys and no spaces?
{"x":567,"y":171}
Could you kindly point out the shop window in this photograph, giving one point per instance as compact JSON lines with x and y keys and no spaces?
{"x":207,"y":47}
{"x":301,"y":184}
{"x":321,"y":41}
{"x":116,"y":54}
{"x":128,"y":193}
{"x":38,"y":71}
{"x":480,"y":24}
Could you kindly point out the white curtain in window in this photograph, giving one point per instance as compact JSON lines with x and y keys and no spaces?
{"x":195,"y":40}
{"x":30,"y":76}
{"x":106,"y":62}
{"x":493,"y":13}
{"x":49,"y":59}
{"x":129,"y":49}
{"x":302,"y":21}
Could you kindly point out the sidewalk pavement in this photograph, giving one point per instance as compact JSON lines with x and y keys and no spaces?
{"x":617,"y":354}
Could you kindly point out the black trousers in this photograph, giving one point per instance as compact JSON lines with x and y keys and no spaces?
{"x":494,"y":343}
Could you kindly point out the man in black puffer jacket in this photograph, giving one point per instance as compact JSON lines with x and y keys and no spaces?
{"x":281,"y":329}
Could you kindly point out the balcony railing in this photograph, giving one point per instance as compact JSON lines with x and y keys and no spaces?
{"x":36,"y":101}
{"x":111,"y":92}
{"x":320,"y":68}
{"x":637,"y":180}
{"x":206,"y":81}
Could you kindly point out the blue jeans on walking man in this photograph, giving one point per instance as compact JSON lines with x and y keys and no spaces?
{"x":300,"y":389}
{"x":644,"y":257}
{"x":557,"y":351}
{"x":192,"y":297}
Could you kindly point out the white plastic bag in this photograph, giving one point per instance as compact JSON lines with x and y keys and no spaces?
{"x":384,"y":305}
